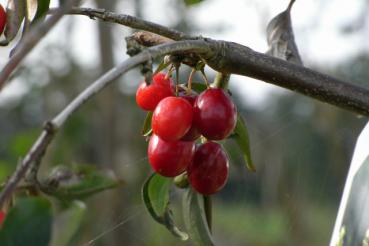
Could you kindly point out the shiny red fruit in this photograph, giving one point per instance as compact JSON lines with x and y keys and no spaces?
{"x":215,"y":114}
{"x":193,"y":133}
{"x":170,"y":159}
{"x":208,"y":171}
{"x":148,"y":96}
{"x":172,"y":118}
{"x":2,"y":19}
{"x":2,"y":217}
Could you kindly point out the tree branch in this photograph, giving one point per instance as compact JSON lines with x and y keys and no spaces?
{"x":234,"y":58}
{"x":239,"y":59}
{"x":30,"y":40}
{"x":39,"y":148}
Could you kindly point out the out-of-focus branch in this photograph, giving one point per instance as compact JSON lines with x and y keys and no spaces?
{"x":31,"y":39}
{"x":39,"y":148}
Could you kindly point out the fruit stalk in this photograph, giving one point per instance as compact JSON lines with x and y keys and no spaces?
{"x":221,"y":81}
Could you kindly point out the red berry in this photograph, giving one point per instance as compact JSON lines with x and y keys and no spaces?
{"x":2,"y":217}
{"x":193,"y":133}
{"x":2,"y":19}
{"x":148,"y":96}
{"x":208,"y":171}
{"x":160,"y":79}
{"x":172,"y":118}
{"x":170,"y":159}
{"x":215,"y":114}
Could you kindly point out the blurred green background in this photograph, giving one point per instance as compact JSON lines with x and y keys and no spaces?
{"x":301,"y":147}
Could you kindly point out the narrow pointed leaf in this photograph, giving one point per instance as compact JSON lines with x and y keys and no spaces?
{"x":42,"y":8}
{"x":78,"y":183}
{"x":241,"y":136}
{"x":155,"y":194}
{"x":281,"y":39}
{"x":194,"y":218}
{"x":67,"y":223}
{"x":192,"y":2}
{"x":28,"y":223}
{"x":146,"y":128}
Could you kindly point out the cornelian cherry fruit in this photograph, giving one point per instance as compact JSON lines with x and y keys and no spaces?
{"x":170,"y":159}
{"x":149,"y":95}
{"x":172,"y":118}
{"x":215,"y":114}
{"x":2,"y":19}
{"x":208,"y":171}
{"x":193,"y":133}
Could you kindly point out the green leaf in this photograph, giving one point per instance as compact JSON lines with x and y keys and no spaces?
{"x":28,"y":223}
{"x":198,"y":87}
{"x":194,"y":218}
{"x":155,"y":194}
{"x":241,"y":136}
{"x":67,"y":223}
{"x":78,"y":183}
{"x":22,"y":142}
{"x":192,"y":2}
{"x":6,"y":168}
{"x":146,"y":128}
{"x":42,"y":8}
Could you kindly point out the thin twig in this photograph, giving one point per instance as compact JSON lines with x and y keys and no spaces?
{"x":31,"y":39}
{"x":132,"y":22}
{"x":39,"y":147}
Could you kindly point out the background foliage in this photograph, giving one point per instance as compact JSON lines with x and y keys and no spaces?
{"x":301,"y":149}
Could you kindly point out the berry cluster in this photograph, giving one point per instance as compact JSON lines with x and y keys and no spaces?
{"x":178,"y":122}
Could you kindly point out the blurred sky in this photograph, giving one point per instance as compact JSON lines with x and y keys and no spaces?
{"x":317,"y":25}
